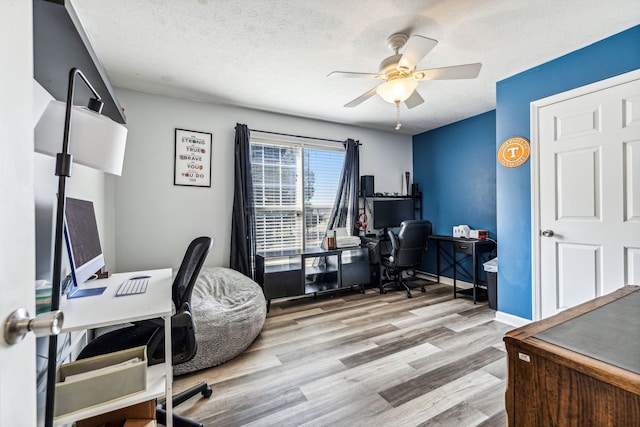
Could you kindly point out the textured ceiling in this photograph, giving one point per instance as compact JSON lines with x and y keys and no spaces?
{"x":275,"y":55}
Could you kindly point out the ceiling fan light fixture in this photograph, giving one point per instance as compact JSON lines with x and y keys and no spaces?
{"x":397,"y":90}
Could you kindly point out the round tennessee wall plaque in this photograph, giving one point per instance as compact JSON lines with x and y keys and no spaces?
{"x":513,"y":152}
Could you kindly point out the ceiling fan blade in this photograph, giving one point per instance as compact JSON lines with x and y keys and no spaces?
{"x":467,"y":71}
{"x":414,"y":100}
{"x":359,"y":100}
{"x":351,"y":75}
{"x":417,"y":48}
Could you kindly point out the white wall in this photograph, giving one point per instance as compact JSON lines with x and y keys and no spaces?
{"x":155,"y":220}
{"x":84,"y":183}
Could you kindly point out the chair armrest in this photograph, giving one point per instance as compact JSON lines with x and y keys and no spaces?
{"x":181,"y":320}
{"x":394,"y":242}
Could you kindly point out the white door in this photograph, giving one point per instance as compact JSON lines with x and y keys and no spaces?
{"x":17,"y":362}
{"x":589,"y":192}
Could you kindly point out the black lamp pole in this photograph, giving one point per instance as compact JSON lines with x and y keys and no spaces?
{"x":64,"y":160}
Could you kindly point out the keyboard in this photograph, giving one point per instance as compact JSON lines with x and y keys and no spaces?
{"x":132,"y":287}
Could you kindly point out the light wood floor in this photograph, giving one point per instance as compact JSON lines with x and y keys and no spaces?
{"x":363,"y":360}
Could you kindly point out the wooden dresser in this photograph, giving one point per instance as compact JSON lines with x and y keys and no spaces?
{"x":580,"y":367}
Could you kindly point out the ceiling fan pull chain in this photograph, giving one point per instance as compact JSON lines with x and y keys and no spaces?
{"x":398,"y":124}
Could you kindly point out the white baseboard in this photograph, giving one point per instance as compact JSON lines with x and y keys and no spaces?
{"x":506,"y":318}
{"x":444,"y":280}
{"x":510,"y":319}
{"x":425,"y":275}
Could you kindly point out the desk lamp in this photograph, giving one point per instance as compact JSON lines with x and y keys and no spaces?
{"x":98,"y":142}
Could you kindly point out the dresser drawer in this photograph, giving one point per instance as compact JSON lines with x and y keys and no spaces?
{"x":463,"y":247}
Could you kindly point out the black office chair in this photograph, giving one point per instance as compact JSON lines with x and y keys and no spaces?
{"x":151,"y":332}
{"x":407,"y":249}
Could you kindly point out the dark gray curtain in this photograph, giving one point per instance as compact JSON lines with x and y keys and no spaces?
{"x":243,"y":242}
{"x":345,"y":207}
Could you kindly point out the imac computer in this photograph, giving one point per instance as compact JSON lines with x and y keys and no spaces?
{"x":83,"y":245}
{"x":390,"y":213}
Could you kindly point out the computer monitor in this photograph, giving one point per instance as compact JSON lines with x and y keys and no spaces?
{"x":83,"y":245}
{"x":390,"y":213}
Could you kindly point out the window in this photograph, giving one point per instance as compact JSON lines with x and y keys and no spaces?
{"x":295,"y":186}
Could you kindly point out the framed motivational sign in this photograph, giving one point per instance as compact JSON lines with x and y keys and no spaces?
{"x":192,"y":158}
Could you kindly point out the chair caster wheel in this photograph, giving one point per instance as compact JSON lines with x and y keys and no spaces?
{"x":422,"y":290}
{"x":207,"y":392}
{"x":409,"y":296}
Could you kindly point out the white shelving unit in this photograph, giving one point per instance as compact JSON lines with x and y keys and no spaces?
{"x":106,"y":310}
{"x":155,"y":389}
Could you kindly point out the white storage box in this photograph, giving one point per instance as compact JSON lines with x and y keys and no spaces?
{"x":95,"y":385}
{"x":347,"y":241}
{"x":344,"y":240}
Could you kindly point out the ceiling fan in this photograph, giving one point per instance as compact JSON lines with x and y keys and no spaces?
{"x":400,"y":75}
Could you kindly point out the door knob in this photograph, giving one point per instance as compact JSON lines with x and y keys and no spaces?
{"x":547,"y":233}
{"x":19,"y":323}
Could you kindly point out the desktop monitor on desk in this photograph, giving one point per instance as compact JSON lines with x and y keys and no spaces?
{"x":390,"y":213}
{"x":83,"y":245}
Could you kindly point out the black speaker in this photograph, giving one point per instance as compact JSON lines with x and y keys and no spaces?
{"x":366,"y":185}
{"x":415,"y":189}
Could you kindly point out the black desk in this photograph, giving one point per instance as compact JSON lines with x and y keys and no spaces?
{"x":378,"y":247}
{"x":287,"y":274}
{"x":472,"y":247}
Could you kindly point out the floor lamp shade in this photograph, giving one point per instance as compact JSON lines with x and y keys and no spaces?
{"x":95,"y":140}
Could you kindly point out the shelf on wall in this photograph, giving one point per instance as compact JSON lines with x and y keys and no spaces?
{"x":392,"y":196}
{"x":60,"y":44}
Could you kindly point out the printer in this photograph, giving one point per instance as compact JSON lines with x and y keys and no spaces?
{"x":344,"y":240}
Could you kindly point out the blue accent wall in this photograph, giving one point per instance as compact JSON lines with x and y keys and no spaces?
{"x":612,"y":56}
{"x":451,"y":163}
{"x":455,"y":167}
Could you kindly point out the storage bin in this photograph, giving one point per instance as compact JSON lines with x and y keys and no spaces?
{"x":142,"y":414}
{"x":491,"y":270}
{"x":101,"y":386}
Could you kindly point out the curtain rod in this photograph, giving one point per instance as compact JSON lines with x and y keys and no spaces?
{"x":300,"y":136}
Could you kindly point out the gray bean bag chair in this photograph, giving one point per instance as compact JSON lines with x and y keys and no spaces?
{"x":229,"y":311}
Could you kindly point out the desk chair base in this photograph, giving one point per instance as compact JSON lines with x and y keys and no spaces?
{"x":179,"y":421}
{"x":407,"y":249}
{"x":399,"y":283}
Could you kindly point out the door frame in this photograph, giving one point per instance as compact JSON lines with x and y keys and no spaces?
{"x":536,"y":106}
{"x":18,"y":401}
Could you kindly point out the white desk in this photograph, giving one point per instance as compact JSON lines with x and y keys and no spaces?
{"x":107,"y":309}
